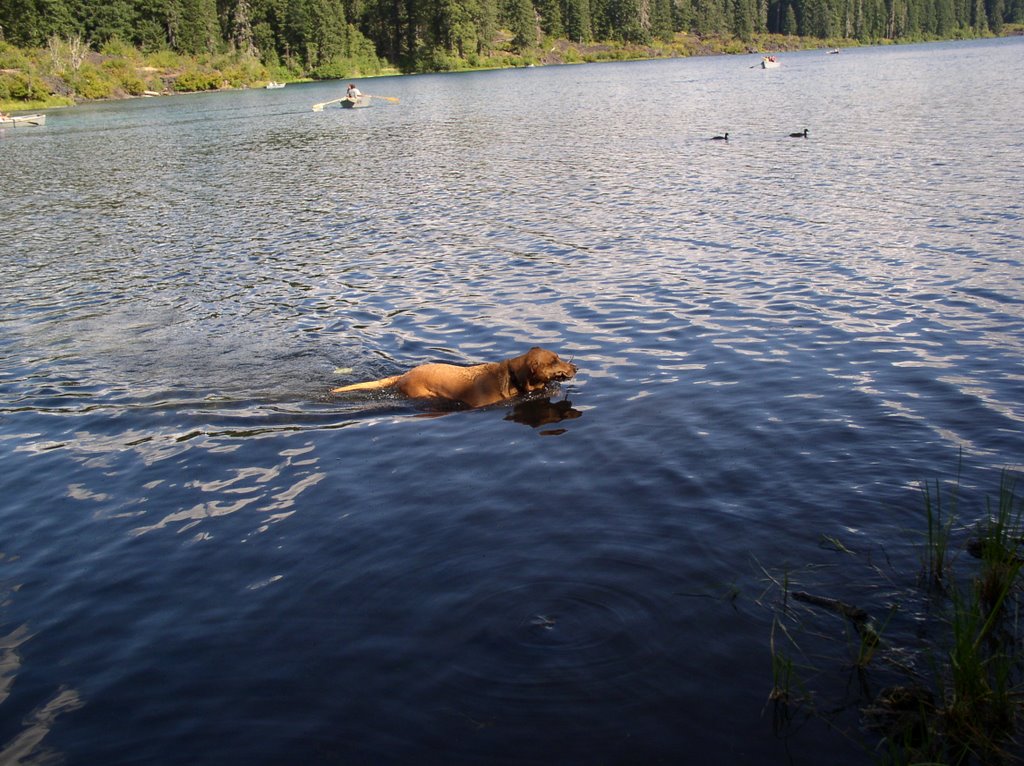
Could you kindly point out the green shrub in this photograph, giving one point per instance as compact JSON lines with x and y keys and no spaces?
{"x":572,"y":56}
{"x":120,"y":49}
{"x":335,"y":70}
{"x":278,"y":73}
{"x":243,"y":72}
{"x":436,"y":59}
{"x":343,"y":68}
{"x":164,"y":60}
{"x":132,"y":84}
{"x":89,"y":82}
{"x":12,"y":58}
{"x":17,"y":86}
{"x":195,"y":80}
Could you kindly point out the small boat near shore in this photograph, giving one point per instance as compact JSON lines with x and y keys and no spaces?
{"x":23,"y":121}
{"x":273,"y":85}
{"x":769,"y":62}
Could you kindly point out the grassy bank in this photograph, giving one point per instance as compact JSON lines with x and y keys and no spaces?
{"x":67,"y":72}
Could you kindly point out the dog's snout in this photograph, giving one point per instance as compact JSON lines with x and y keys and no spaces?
{"x":568,"y":370}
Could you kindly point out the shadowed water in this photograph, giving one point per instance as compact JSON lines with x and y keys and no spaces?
{"x":207,"y":558}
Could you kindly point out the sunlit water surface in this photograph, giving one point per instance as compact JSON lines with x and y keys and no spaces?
{"x":206,"y":558}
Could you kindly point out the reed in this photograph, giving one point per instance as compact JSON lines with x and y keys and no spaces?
{"x":966,"y":705}
{"x":936,"y":560}
{"x":978,"y":677}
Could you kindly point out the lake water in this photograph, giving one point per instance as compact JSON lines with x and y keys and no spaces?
{"x":206,"y":558}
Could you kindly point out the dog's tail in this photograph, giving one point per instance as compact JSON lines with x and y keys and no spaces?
{"x":370,"y":385}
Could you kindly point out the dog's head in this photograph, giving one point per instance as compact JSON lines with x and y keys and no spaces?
{"x":538,"y":367}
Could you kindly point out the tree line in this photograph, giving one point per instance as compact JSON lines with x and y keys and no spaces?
{"x":423,"y":35}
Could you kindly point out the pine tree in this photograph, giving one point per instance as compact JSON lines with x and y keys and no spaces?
{"x":108,"y":20}
{"x":710,"y":18}
{"x":550,"y":12}
{"x":743,"y":19}
{"x":683,"y":15}
{"x":577,"y":20}
{"x":790,"y":26}
{"x":626,"y":18}
{"x":995,"y":10}
{"x":979,"y":17}
{"x":523,"y":23}
{"x":661,"y":20}
{"x":198,"y":28}
{"x":241,"y":28}
{"x":25,"y":23}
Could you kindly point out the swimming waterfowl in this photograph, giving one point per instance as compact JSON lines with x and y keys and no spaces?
{"x":720,"y":138}
{"x":799,"y":135}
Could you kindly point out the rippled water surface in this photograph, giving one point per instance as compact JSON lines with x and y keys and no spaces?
{"x":206,"y":558}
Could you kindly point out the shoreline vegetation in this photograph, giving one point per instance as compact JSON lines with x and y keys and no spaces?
{"x":47,"y":64}
{"x":931,"y":671}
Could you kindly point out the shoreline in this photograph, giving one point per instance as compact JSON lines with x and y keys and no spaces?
{"x":561,"y":52}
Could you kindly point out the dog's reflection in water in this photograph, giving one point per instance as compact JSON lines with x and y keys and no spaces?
{"x":534,"y":413}
{"x":543,"y":412}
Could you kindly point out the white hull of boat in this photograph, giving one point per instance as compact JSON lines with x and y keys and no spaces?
{"x":23,"y":121}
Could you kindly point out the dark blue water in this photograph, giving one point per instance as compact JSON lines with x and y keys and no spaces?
{"x":206,"y":558}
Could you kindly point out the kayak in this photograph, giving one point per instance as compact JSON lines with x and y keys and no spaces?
{"x":23,"y":121}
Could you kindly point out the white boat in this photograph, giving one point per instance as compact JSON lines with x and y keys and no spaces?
{"x":272,"y":85}
{"x":23,"y":121}
{"x":769,"y":62}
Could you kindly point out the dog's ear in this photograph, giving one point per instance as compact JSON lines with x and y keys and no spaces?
{"x":536,"y":364}
{"x":519,"y":370}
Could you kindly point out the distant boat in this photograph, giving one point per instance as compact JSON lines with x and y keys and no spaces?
{"x":272,"y":85}
{"x":769,"y":62}
{"x":355,"y":103}
{"x":833,"y":52}
{"x":23,"y":121}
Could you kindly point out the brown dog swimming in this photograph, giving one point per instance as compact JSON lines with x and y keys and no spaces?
{"x":479,"y":385}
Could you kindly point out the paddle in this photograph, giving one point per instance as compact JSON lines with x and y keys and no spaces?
{"x":320,"y":107}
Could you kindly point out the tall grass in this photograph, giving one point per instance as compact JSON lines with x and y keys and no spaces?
{"x":978,"y":676}
{"x":936,"y":553}
{"x":965,"y":704}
